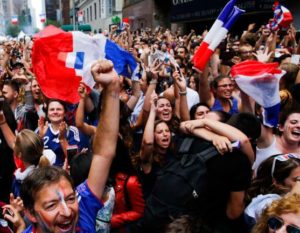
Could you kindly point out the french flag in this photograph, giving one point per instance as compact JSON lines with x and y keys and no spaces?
{"x":260,"y":81}
{"x":43,"y":18}
{"x":14,"y":19}
{"x":62,"y":59}
{"x":216,"y":34}
{"x":284,"y":17}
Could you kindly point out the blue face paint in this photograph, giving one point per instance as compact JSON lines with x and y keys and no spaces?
{"x":60,"y":195}
{"x":41,"y":223}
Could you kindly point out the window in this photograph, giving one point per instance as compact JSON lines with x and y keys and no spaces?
{"x":87,"y":15}
{"x":91,"y":13}
{"x":95,"y":9}
{"x":109,"y":7}
{"x":99,"y":8}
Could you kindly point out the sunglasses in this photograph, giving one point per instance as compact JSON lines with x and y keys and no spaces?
{"x":275,"y":223}
{"x":282,"y":158}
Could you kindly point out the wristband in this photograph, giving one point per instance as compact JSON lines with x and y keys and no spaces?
{"x":182,"y":92}
{"x":153,"y":82}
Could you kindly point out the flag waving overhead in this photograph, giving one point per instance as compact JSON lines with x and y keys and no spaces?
{"x":62,"y":59}
{"x":216,"y":34}
{"x":260,"y":81}
{"x":282,"y":17}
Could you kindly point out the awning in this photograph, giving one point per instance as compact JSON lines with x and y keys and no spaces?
{"x":84,"y":27}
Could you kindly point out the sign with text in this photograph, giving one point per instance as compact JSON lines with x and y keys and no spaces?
{"x":190,"y":10}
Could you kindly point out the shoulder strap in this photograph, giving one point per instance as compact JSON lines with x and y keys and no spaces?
{"x":203,"y":155}
{"x":186,"y":145}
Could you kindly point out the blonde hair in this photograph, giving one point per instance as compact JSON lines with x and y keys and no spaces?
{"x":30,"y":146}
{"x":290,"y":203}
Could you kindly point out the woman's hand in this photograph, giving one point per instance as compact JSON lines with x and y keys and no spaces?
{"x":153,"y":101}
{"x":62,"y":128}
{"x":12,"y":215}
{"x":222,"y":144}
{"x":16,"y":203}
{"x":179,"y":81}
{"x":82,"y":90}
{"x":42,"y":126}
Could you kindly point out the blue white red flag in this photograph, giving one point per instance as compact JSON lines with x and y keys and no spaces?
{"x":43,"y":17}
{"x":14,"y":19}
{"x":260,"y":81}
{"x":62,"y":59}
{"x":282,"y":17}
{"x":216,"y":34}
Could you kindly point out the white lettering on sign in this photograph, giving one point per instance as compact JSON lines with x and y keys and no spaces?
{"x":179,"y":2}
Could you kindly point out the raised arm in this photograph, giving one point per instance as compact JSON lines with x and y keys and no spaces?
{"x":204,"y":89}
{"x":148,"y":137}
{"x":136,"y":93}
{"x":79,"y":119}
{"x":180,"y":95}
{"x":105,"y":140}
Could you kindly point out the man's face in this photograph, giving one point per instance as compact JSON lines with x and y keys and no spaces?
{"x":181,"y":52}
{"x":9,"y":94}
{"x":225,"y":88}
{"x":56,"y":208}
{"x":246,"y":52}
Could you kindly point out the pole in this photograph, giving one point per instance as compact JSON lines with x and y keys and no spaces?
{"x":74,"y":16}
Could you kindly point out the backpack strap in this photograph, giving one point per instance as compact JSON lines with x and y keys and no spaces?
{"x":186,"y":145}
{"x":187,"y":159}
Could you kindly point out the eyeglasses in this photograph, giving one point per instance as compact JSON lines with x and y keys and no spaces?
{"x":282,"y":158}
{"x":275,"y":223}
{"x":226,"y":85}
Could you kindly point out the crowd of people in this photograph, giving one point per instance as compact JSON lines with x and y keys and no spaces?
{"x":95,"y":166}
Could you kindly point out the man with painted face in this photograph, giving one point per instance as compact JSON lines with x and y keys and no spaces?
{"x":51,"y":201}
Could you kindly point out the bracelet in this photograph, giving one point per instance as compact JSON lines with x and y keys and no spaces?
{"x":153,"y":82}
{"x":297,"y":178}
{"x":182,"y":92}
{"x":3,"y":122}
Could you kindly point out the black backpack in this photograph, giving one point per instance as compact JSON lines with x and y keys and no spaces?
{"x":180,"y":186}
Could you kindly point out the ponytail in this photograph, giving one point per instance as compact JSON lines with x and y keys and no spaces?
{"x":44,"y":161}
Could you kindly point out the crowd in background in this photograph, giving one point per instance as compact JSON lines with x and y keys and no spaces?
{"x":253,"y":188}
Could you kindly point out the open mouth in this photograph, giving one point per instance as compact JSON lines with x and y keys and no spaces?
{"x":66,"y":226}
{"x":296,"y":133}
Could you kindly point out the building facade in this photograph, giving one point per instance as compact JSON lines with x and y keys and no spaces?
{"x":98,"y":13}
{"x":147,"y":13}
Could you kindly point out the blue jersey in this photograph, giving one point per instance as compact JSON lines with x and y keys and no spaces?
{"x":51,"y":141}
{"x":89,"y":206}
{"x":233,"y":109}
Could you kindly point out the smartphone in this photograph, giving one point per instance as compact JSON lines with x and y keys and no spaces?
{"x":1,"y":103}
{"x":6,"y":211}
{"x":72,"y":150}
{"x":295,"y":59}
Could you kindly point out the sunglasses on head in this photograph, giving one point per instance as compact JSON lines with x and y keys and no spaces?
{"x":282,"y":158}
{"x":275,"y":223}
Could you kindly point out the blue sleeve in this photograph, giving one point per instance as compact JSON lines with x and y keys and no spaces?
{"x":73,"y":136}
{"x":89,"y":206}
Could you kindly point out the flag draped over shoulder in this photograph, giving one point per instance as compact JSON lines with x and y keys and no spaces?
{"x":260,"y":81}
{"x":62,"y":59}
